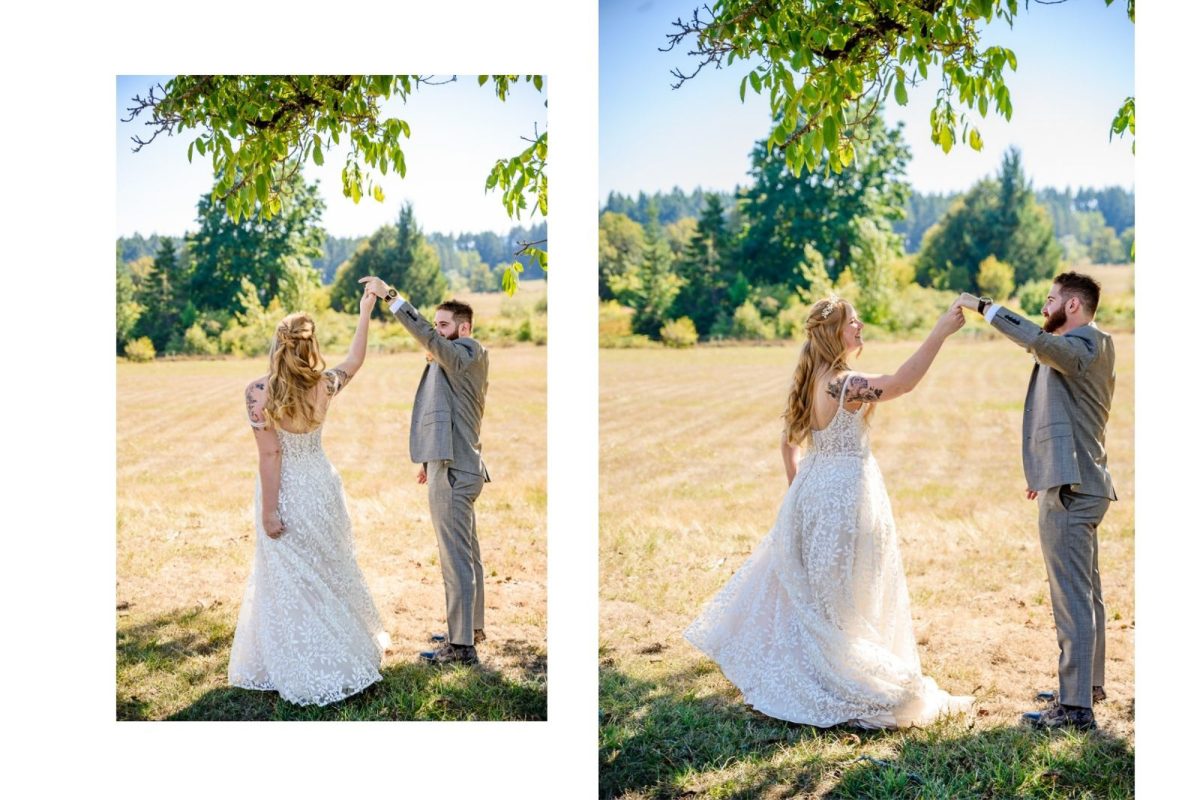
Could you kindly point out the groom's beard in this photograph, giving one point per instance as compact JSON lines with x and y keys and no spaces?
{"x":1055,"y":320}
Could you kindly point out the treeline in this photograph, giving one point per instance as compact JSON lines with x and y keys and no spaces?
{"x":746,"y":265}
{"x":223,"y":288}
{"x":1080,"y":217}
{"x":469,"y":260}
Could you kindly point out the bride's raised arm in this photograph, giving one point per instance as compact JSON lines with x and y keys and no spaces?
{"x":866,"y":388}
{"x":343,"y":372}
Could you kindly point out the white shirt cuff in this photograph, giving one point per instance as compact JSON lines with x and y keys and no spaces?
{"x":395,"y":306}
{"x":991,"y":311}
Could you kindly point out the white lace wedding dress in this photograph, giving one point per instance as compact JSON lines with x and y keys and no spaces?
{"x":815,"y":627}
{"x":308,"y":627}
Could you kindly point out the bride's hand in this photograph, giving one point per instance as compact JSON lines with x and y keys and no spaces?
{"x":951,"y":321}
{"x":367,"y":303}
{"x":273,"y":525}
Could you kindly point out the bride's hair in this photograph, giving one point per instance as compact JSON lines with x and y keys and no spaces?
{"x":823,"y":351}
{"x":296,"y":367}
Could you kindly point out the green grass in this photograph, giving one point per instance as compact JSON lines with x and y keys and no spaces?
{"x":660,"y":737}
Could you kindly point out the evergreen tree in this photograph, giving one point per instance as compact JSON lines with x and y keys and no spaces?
{"x":255,"y":248}
{"x":996,"y":217}
{"x":401,"y":256}
{"x":156,"y":295}
{"x":703,"y":269}
{"x":785,"y":213}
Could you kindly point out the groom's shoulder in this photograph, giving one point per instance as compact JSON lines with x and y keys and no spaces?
{"x":474,"y":345}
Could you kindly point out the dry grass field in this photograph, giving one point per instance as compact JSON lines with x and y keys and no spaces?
{"x":186,"y":471}
{"x":691,"y":480}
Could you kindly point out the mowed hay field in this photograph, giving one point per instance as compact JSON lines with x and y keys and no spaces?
{"x":691,"y":480}
{"x":186,"y":471}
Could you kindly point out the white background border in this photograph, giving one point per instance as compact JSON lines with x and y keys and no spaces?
{"x":56,"y":145}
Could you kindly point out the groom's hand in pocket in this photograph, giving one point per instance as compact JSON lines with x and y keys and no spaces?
{"x":421,"y":475}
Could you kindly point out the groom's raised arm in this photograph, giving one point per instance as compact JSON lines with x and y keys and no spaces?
{"x":454,"y":355}
{"x":1070,"y":354}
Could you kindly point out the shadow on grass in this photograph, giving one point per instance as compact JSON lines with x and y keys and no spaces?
{"x":173,"y":666}
{"x":659,"y":739}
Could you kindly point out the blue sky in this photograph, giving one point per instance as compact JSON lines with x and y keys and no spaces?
{"x":1075,"y":68}
{"x":458,"y":132}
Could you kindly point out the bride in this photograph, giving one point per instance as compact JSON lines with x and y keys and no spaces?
{"x":308,"y":627}
{"x":815,"y":627}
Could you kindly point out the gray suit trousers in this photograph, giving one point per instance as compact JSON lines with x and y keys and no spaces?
{"x":452,"y":495}
{"x":1067,"y":523}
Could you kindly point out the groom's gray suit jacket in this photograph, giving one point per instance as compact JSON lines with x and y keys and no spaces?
{"x":448,"y":408}
{"x":1066,"y":405}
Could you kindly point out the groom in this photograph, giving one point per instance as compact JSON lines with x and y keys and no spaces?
{"x":444,"y":440}
{"x":1066,"y":470}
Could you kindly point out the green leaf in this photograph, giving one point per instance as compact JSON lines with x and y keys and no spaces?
{"x":260,"y":187}
{"x":976,"y":140}
{"x":400,"y":164}
{"x":1012,"y":59}
{"x":318,"y":156}
{"x":756,"y":82}
{"x":483,"y":79}
{"x":901,"y":92}
{"x":830,"y":133}
{"x":190,"y":146}
{"x":537,"y":82}
{"x":377,"y":193}
{"x":742,"y":90}
{"x":946,"y":138}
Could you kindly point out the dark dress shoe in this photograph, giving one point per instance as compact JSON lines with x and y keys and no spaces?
{"x":1098,"y":696}
{"x":1060,"y":716}
{"x":438,"y":638}
{"x":451,"y":654}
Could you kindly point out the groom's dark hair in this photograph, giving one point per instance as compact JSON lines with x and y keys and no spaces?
{"x":461,"y":312}
{"x":1082,"y":287}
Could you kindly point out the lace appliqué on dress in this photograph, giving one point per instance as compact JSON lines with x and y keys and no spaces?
{"x":308,"y":627}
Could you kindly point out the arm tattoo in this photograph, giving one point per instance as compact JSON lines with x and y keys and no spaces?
{"x":861,"y":390}
{"x":337,"y":381}
{"x":256,"y":420}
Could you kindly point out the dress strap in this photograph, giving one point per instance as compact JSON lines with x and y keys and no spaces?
{"x":842,"y":396}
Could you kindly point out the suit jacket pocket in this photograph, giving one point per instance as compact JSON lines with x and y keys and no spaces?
{"x":436,"y":418}
{"x":1054,"y":430}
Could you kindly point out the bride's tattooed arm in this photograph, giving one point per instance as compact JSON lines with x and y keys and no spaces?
{"x":860,"y":389}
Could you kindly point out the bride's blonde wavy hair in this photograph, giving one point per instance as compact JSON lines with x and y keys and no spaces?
{"x":823,"y":352}
{"x":296,"y":367}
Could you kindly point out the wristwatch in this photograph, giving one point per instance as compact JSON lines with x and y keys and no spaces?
{"x":392,"y":294}
{"x":984,"y":302}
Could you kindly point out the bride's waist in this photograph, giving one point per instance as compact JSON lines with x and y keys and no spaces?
{"x":859,"y":454}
